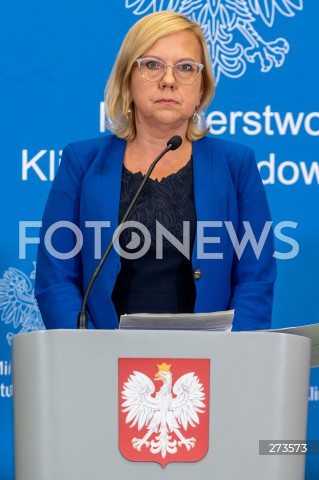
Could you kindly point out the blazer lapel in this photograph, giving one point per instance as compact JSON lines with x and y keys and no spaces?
{"x":111,"y":181}
{"x":211,"y":183}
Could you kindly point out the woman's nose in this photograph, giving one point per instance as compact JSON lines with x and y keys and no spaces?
{"x":168,"y":78}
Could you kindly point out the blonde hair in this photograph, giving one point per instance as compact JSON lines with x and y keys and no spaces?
{"x":140,"y":38}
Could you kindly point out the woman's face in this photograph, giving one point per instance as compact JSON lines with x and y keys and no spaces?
{"x":167,"y":102}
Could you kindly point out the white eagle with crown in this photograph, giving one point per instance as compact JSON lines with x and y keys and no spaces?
{"x":18,"y":305}
{"x":172,"y":408}
{"x":230,"y":29}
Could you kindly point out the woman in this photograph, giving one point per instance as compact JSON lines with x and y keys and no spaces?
{"x":159,"y":87}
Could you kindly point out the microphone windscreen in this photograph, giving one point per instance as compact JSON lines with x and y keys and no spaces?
{"x":175,"y":142}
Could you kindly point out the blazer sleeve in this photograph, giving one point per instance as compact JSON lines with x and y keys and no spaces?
{"x":58,"y":284}
{"x":254,"y":267}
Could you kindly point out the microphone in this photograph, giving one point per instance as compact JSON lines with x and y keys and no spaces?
{"x":175,"y":142}
{"x":82,"y":322}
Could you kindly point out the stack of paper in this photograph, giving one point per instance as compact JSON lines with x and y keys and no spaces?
{"x":215,"y":321}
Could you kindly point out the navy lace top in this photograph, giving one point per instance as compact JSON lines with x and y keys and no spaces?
{"x":149,"y":283}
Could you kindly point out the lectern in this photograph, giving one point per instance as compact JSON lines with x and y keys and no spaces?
{"x":67,"y":402}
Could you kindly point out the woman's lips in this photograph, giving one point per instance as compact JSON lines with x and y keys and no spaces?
{"x":166,"y":100}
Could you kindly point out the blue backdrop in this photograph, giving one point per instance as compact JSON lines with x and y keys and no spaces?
{"x":55,"y":59}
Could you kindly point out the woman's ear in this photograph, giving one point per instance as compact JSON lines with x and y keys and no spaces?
{"x":201,"y":93}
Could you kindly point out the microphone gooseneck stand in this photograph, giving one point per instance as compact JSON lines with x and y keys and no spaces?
{"x":82,"y":322}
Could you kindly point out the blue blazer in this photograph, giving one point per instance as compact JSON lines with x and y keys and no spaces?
{"x":228,"y":191}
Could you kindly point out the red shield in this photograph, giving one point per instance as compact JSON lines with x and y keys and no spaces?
{"x":164,"y":409}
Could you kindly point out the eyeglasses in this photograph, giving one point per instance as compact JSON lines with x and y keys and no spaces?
{"x":153,"y":70}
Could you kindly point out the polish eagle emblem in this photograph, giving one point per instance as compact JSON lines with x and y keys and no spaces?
{"x":228,"y":27}
{"x":18,"y":305}
{"x":162,"y":417}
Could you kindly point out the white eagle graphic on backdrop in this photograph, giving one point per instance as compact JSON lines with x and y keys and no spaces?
{"x":163,"y":415}
{"x":228,"y":28}
{"x":18,"y":305}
